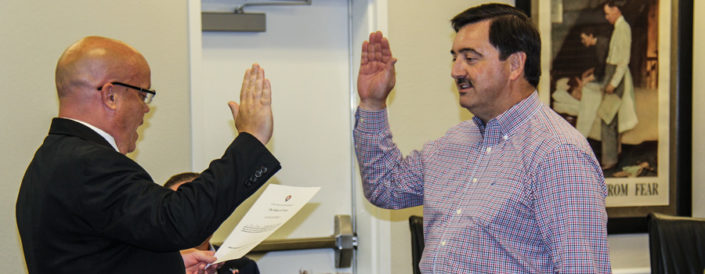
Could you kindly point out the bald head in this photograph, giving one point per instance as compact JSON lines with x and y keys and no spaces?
{"x":85,"y":77}
{"x":94,"y":60}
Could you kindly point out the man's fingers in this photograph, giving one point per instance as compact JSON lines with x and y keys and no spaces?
{"x":372,"y":51}
{"x":252,"y":85}
{"x":206,"y":257}
{"x":267,"y":92}
{"x":363,"y":55}
{"x":375,"y":36}
{"x":234,"y":108}
{"x":243,"y":89}
{"x":253,"y":113}
{"x":386,"y":51}
{"x":378,"y":52}
{"x":377,"y":49}
{"x":385,"y":43}
{"x":259,"y":84}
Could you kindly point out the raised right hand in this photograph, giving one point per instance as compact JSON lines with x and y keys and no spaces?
{"x":377,"y":76}
{"x":254,"y":113}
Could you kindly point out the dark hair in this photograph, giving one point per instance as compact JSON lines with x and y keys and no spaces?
{"x":615,"y":3}
{"x":589,"y":29}
{"x":511,"y":31}
{"x":186,"y":176}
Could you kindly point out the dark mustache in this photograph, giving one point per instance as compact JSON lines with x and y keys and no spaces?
{"x":463,"y":80}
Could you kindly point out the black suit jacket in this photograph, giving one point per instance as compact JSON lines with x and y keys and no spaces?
{"x":85,"y":208}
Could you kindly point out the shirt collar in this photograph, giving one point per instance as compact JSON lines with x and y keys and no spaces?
{"x":100,"y":132}
{"x":620,"y":20}
{"x":513,"y":117}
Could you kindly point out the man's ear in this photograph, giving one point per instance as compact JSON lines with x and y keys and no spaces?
{"x":516,"y":65}
{"x":108,"y":96}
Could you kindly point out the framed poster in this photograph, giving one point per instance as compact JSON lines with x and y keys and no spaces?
{"x":622,"y":75}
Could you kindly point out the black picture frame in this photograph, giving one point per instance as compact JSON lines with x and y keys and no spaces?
{"x":633,"y":219}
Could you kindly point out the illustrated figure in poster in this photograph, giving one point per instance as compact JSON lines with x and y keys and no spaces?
{"x":619,"y":88}
{"x":604,"y":80}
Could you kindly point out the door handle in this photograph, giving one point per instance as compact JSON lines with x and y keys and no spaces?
{"x":343,"y":242}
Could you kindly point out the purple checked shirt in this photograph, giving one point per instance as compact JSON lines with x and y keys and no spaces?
{"x":520,"y":194}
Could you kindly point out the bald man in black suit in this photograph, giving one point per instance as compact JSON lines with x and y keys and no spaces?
{"x":84,"y":207}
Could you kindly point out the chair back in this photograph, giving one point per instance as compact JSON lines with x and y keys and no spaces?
{"x":676,"y":244}
{"x":416,"y":226}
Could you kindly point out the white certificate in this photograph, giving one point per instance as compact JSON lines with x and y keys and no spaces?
{"x":273,"y":208}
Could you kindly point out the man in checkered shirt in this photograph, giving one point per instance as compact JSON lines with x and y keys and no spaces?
{"x":514,"y":190}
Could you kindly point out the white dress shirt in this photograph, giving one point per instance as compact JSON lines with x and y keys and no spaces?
{"x":619,"y":50}
{"x":100,"y":132}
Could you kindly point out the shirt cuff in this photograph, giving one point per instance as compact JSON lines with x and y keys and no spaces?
{"x":371,"y":121}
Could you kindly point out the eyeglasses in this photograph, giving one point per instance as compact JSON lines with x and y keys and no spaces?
{"x":148,"y":93}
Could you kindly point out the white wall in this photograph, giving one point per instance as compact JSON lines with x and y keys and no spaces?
{"x":32,"y":36}
{"x":304,"y":53}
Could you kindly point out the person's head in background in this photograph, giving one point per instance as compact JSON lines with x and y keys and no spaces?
{"x":612,"y":11}
{"x":179,"y":179}
{"x":174,"y":183}
{"x":588,"y":36}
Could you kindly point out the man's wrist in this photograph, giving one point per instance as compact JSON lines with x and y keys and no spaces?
{"x":372,"y":105}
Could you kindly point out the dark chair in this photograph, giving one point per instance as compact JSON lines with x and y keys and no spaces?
{"x":416,"y":226}
{"x":676,"y":244}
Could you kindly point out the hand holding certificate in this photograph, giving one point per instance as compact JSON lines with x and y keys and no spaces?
{"x":273,"y":208}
